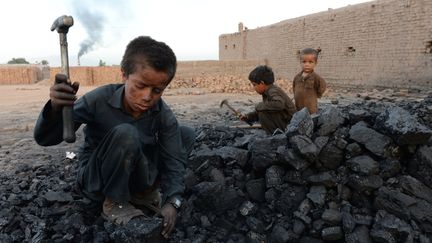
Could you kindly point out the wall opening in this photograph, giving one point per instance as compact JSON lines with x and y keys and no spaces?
{"x":233,"y":46}
{"x":226,"y":47}
{"x":428,"y":47}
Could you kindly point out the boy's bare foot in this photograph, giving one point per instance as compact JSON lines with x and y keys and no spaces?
{"x":151,"y":200}
{"x":119,"y":212}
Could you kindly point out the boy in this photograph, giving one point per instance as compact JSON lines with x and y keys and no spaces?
{"x":276,"y":109}
{"x":308,"y":86}
{"x":133,"y":142}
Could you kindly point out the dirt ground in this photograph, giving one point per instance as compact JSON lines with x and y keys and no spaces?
{"x":21,"y":104}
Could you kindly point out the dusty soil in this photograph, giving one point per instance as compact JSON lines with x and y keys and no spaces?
{"x":21,"y":104}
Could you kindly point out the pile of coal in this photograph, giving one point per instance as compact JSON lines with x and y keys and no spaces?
{"x":356,"y":173}
{"x":351,"y":173}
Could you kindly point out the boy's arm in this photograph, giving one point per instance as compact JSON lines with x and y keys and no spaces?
{"x":172,"y":157}
{"x":252,"y":116}
{"x":320,"y":86}
{"x":275,"y":102}
{"x":49,"y":127}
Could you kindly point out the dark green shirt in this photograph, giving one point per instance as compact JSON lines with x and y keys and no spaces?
{"x":101,"y":110}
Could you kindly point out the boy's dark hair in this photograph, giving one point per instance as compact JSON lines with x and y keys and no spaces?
{"x":262,"y":73}
{"x":308,"y":51}
{"x":157,"y":55}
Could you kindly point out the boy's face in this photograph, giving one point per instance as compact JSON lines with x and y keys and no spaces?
{"x":143,"y":89}
{"x":260,"y":87}
{"x":308,"y":63}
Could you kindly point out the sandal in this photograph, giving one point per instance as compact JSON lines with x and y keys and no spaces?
{"x":150,"y":200}
{"x":119,"y":212}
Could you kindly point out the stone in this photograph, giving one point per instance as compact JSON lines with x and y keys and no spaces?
{"x":359,"y":235}
{"x":255,"y":224}
{"x":329,"y":120}
{"x":216,"y":175}
{"x":402,"y":126}
{"x":389,"y":168}
{"x":326,"y":178}
{"x":263,"y":151}
{"x":356,"y":115}
{"x":290,"y":199}
{"x":352,"y":150}
{"x":414,"y":187}
{"x":216,"y":197}
{"x":374,"y":141}
{"x":332,"y":216}
{"x":53,"y":196}
{"x":146,"y":230}
{"x":317,"y":194}
{"x":421,"y":212}
{"x":256,"y":189}
{"x":248,"y":208}
{"x":301,"y":124}
{"x":289,"y":157}
{"x":421,"y":166}
{"x":232,"y":153}
{"x":305,"y":147}
{"x":399,"y":229}
{"x":364,"y":183}
{"x":382,"y":236}
{"x":320,"y":142}
{"x":394,"y":202}
{"x":280,"y":235}
{"x":348,"y":222}
{"x":274,"y":176}
{"x":331,"y":157}
{"x":332,"y":233}
{"x":298,"y":227}
{"x":363,"y":164}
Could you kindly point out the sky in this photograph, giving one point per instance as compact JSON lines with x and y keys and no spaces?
{"x":103,"y":28}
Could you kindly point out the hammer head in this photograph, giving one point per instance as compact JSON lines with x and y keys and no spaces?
{"x":62,"y":24}
{"x":224,"y":102}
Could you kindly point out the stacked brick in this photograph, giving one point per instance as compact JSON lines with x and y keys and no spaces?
{"x":19,"y":74}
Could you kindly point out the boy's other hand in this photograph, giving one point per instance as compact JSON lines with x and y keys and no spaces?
{"x":63,"y":93}
{"x":243,"y":117}
{"x":169,"y":213}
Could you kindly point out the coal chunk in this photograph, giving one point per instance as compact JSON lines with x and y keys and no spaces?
{"x":402,"y":126}
{"x":373,"y":141}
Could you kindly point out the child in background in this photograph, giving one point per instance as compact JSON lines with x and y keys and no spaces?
{"x":308,"y":86}
{"x":276,"y":109}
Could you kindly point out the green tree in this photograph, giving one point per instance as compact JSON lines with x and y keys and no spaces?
{"x":102,"y":63}
{"x":44,"y":62}
{"x":19,"y":60}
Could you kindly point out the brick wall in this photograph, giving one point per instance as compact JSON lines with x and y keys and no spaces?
{"x":22,"y":74}
{"x":379,"y":43}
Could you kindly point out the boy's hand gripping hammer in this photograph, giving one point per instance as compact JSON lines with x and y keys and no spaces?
{"x":62,"y":25}
{"x":236,"y":112}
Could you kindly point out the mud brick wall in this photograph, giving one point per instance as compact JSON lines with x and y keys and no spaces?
{"x":218,"y":75}
{"x":379,"y":43}
{"x":22,"y":74}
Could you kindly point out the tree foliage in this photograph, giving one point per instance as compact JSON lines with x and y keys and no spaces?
{"x":102,"y":63}
{"x":19,"y":60}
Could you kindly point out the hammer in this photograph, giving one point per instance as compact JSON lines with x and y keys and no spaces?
{"x":236,"y":112}
{"x":62,"y":25}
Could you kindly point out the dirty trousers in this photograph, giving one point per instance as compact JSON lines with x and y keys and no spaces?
{"x":118,"y":167}
{"x":270,"y":121}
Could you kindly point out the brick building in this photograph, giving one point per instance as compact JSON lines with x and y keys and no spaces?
{"x":378,"y":43}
